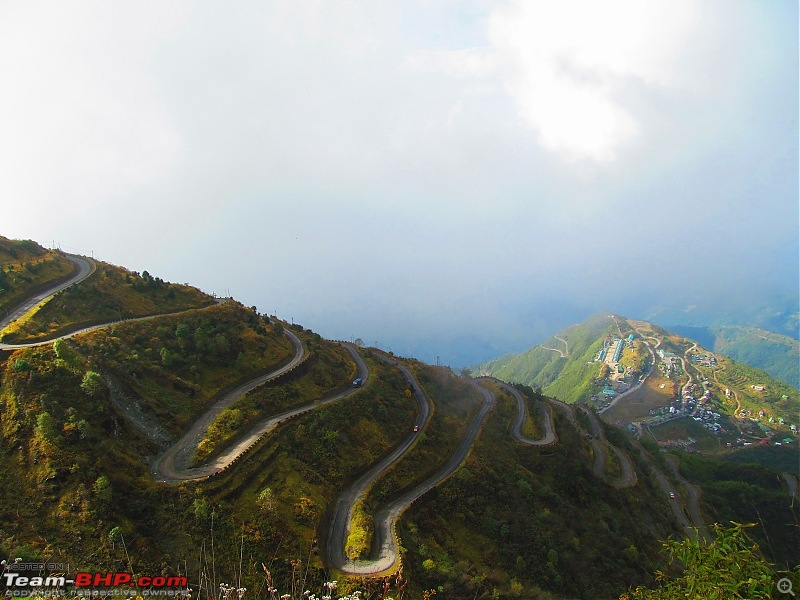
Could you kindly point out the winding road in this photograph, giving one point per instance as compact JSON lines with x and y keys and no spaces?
{"x":85,"y":267}
{"x":564,"y":353}
{"x":174,"y":464}
{"x":693,"y":503}
{"x":546,"y":413}
{"x":599,"y":444}
{"x":384,"y":541}
{"x":627,"y":476}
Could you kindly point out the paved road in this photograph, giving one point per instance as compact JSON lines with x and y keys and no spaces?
{"x":384,"y":521}
{"x":627,"y":476}
{"x":791,"y":482}
{"x":666,"y":487}
{"x":693,"y":502}
{"x":563,"y":353}
{"x":599,"y":467}
{"x":50,"y":340}
{"x":384,"y":542}
{"x":85,"y":267}
{"x":599,"y":444}
{"x":173,"y":465}
{"x":550,"y":436}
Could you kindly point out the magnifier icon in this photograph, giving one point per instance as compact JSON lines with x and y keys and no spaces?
{"x":785,"y":586}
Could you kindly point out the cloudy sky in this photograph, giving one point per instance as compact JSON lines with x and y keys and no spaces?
{"x":442,"y":177}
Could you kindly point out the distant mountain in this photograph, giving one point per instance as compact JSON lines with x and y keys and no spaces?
{"x":560,"y":364}
{"x":769,"y":310}
{"x":777,"y":354}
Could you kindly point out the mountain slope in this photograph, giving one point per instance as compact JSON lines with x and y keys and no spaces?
{"x":84,"y":420}
{"x":25,"y":268}
{"x":650,"y":354}
{"x":777,"y":354}
{"x":558,"y":366}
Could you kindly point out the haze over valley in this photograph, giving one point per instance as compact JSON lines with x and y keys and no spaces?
{"x":400,"y":300}
{"x":456,"y":180}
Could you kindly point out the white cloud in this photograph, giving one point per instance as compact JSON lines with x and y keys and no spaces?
{"x":565,"y":65}
{"x":79,"y":111}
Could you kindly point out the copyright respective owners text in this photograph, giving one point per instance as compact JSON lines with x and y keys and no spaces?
{"x":19,"y":579}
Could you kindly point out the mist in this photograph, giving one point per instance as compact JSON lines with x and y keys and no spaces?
{"x":451,"y":181}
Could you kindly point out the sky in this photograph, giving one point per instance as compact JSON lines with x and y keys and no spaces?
{"x":450,"y":180}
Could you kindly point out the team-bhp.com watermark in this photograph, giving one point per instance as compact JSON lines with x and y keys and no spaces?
{"x":45,"y":580}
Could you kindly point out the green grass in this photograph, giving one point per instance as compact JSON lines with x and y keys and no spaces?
{"x":520,"y":521}
{"x":776,"y":354}
{"x":747,"y":493}
{"x":514,"y":521}
{"x":784,"y":458}
{"x":19,"y":252}
{"x":567,"y":378}
{"x":684,"y":428}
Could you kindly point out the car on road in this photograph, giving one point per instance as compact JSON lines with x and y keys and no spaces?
{"x":672,"y":495}
{"x":416,"y":428}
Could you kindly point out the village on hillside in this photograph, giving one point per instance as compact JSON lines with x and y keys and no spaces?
{"x":686,"y":392}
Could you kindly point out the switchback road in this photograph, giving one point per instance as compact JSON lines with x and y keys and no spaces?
{"x":545,"y":412}
{"x":85,"y":268}
{"x":385,"y":548}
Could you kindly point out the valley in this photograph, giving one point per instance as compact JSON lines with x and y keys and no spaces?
{"x":207,"y":413}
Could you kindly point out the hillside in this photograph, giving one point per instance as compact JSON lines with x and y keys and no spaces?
{"x":559,"y":365}
{"x":668,"y":384}
{"x":221,"y":444}
{"x":778,"y":355}
{"x":578,"y":365}
{"x":110,"y":293}
{"x":25,"y":268}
